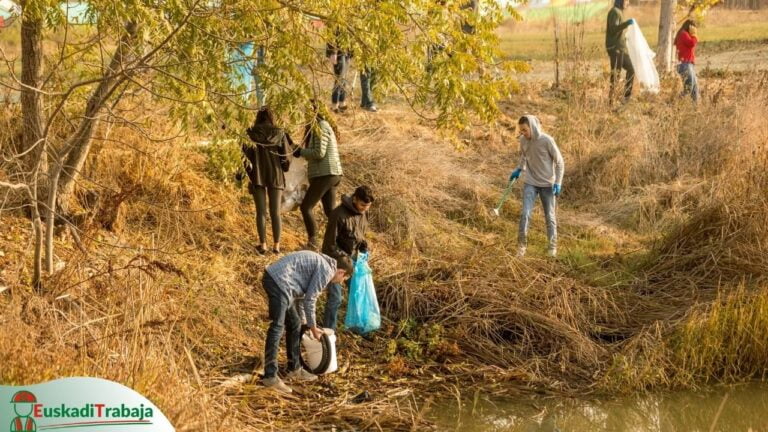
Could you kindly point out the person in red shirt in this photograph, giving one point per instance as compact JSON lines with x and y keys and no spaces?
{"x":686,"y":41}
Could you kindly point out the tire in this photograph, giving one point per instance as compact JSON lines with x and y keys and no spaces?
{"x":325,"y":361}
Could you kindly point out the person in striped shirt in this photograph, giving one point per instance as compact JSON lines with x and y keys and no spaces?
{"x":297,"y":276}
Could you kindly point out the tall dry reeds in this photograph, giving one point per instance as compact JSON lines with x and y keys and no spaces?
{"x":703,"y":283}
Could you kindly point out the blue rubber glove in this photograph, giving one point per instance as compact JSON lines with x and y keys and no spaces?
{"x":632,"y":21}
{"x":556,"y":189}
{"x":515,"y":174}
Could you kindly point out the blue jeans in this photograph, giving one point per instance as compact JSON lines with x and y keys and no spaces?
{"x":332,"y":303}
{"x":687,"y":72}
{"x":282,"y":313}
{"x":548,"y":202}
{"x":339,"y":94}
{"x":367,"y":81}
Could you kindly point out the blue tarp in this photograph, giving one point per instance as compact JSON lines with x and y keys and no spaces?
{"x":242,"y":67}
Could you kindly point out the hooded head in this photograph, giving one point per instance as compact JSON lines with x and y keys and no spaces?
{"x":264,"y":130}
{"x":619,"y":4}
{"x":531,"y":123}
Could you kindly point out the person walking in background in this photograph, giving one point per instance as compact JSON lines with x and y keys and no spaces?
{"x":543,"y":165}
{"x":618,"y":54}
{"x":266,"y":160}
{"x":685,"y":41}
{"x":340,"y":59}
{"x":367,"y":83}
{"x":345,"y":237}
{"x":298,"y":275}
{"x":323,"y":167}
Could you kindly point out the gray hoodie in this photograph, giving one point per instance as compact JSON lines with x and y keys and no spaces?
{"x":540,"y":159}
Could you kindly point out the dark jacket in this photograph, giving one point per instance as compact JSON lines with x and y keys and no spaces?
{"x":267,"y":157}
{"x":615,"y":41}
{"x":346,"y":229}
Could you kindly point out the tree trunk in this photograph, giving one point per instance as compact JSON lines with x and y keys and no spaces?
{"x":78,"y":145}
{"x":665,"y":49}
{"x":37,"y":279}
{"x":31,"y":99}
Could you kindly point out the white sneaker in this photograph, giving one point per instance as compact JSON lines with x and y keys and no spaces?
{"x":520,"y":251}
{"x":277,"y":384}
{"x":552,"y":252}
{"x":301,"y":375}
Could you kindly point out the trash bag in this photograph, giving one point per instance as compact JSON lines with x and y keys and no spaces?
{"x":296,"y":184}
{"x":319,"y":356}
{"x":642,"y":57}
{"x":363,"y":314}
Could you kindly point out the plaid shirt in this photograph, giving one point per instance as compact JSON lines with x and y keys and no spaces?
{"x":303,"y":274}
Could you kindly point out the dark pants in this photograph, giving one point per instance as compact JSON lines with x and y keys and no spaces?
{"x":320,"y":189}
{"x":260,"y":198}
{"x":283,"y":315}
{"x":339,"y":94}
{"x":367,"y":82}
{"x":332,"y":304}
{"x":619,"y":61}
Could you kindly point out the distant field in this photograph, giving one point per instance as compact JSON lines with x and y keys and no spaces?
{"x":721,"y":29}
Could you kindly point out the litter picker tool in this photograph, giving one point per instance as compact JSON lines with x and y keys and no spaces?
{"x":504,"y":197}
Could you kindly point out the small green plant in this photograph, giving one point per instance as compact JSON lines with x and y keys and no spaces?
{"x":417,"y":342}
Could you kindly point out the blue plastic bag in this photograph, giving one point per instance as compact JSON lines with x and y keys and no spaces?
{"x":363,"y":314}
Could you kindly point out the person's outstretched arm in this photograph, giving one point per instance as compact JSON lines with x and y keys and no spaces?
{"x":320,"y":279}
{"x":318,"y":147}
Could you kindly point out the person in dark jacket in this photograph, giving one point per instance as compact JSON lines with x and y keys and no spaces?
{"x":266,"y":160}
{"x":685,"y":41}
{"x":616,"y":45}
{"x":345,"y":237}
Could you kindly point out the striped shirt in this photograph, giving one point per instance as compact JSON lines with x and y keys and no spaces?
{"x":303,"y":274}
{"x":323,"y":153}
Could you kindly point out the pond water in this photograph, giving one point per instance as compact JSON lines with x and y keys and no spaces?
{"x":733,"y":408}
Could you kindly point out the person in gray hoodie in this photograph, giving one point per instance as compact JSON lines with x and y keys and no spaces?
{"x":543,"y":165}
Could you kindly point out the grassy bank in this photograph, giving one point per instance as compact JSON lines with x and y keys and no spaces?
{"x":660,"y":282}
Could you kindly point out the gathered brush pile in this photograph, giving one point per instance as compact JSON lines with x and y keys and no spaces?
{"x":455,"y":267}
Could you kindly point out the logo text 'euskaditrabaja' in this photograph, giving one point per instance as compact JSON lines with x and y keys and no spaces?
{"x":79,"y":404}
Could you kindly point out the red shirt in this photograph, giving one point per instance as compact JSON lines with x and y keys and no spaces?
{"x":686,"y":47}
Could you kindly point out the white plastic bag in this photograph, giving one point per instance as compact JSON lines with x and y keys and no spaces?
{"x":320,"y":356}
{"x":296,"y":184}
{"x":642,"y":59}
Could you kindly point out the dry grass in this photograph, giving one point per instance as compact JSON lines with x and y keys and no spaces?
{"x":167,"y":300}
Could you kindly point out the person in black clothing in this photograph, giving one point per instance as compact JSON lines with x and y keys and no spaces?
{"x":265,"y":162}
{"x":345,"y":237}
{"x":616,"y":45}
